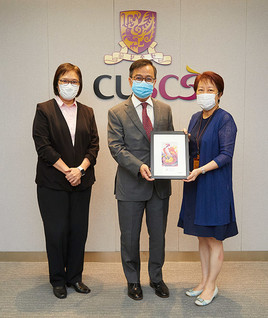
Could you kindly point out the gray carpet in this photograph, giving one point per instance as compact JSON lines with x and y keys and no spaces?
{"x":25,"y":292}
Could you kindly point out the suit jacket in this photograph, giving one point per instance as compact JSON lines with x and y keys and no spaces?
{"x":53,"y":141}
{"x":130,"y":147}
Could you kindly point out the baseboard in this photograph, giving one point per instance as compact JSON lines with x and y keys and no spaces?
{"x":114,"y":257}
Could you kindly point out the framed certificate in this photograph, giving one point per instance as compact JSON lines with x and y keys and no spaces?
{"x":169,"y":155}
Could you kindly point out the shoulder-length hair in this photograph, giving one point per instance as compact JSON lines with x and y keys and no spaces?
{"x":62,"y":69}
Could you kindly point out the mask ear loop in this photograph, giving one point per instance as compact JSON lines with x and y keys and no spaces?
{"x":219,"y":98}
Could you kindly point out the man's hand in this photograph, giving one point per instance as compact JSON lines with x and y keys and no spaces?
{"x":146,"y":173}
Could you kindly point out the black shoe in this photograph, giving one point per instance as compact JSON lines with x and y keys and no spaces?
{"x":60,"y":291}
{"x":161,"y":289}
{"x":80,"y":287}
{"x":135,"y":291}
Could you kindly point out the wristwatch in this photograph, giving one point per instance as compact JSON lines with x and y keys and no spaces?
{"x":81,"y":170}
{"x":203,"y":170}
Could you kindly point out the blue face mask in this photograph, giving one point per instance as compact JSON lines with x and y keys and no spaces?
{"x":142,"y":89}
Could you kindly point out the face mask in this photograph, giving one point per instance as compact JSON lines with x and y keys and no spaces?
{"x":142,"y":89}
{"x":206,"y":101}
{"x":68,"y":92}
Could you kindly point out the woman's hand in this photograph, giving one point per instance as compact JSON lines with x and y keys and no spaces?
{"x":74,"y":176}
{"x":193,"y":175}
{"x":75,"y":184}
{"x":186,"y":133}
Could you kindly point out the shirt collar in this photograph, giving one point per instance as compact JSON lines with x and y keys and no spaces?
{"x":137,"y":102}
{"x":61,"y":103}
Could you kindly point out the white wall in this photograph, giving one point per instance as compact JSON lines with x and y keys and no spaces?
{"x":228,"y":37}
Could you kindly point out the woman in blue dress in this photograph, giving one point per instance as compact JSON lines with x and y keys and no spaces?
{"x":207,"y":209}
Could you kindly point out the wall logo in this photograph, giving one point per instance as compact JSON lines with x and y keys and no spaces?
{"x":138,"y":29}
{"x":137,"y":33}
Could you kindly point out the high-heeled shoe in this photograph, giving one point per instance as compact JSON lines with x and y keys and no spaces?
{"x":193,"y":293}
{"x":202,"y":302}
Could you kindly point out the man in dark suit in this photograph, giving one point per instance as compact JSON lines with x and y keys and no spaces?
{"x":129,"y":126}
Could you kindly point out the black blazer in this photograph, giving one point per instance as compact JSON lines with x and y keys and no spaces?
{"x":53,"y":141}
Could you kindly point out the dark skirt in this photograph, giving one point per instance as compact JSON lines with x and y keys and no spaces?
{"x":219,"y":232}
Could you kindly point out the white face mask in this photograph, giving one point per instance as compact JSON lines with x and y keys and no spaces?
{"x":69,"y":91}
{"x":206,"y":101}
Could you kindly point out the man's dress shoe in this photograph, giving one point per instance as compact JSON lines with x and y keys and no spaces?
{"x":60,"y":291}
{"x":80,"y":287}
{"x":161,"y":289}
{"x":135,"y":291}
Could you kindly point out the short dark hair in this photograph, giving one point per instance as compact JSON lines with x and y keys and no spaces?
{"x":140,"y":63}
{"x":212,"y":77}
{"x":62,"y":69}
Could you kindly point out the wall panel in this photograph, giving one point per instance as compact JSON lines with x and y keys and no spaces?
{"x":228,"y":37}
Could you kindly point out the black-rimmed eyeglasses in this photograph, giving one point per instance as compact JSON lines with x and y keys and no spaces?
{"x":147,"y":79}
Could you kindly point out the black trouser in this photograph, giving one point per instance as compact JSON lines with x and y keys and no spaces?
{"x":130,"y":221}
{"x":65,"y":218}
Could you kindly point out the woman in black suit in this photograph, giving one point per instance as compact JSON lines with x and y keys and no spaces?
{"x":67,"y":144}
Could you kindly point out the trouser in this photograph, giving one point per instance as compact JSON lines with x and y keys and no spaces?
{"x":130,"y":221}
{"x":65,"y":219}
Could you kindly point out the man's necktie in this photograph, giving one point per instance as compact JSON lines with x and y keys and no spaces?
{"x":147,"y":124}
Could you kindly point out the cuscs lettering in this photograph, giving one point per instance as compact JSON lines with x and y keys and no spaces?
{"x":161,"y":87}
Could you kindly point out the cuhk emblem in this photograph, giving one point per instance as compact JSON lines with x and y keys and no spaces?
{"x":137,"y":28}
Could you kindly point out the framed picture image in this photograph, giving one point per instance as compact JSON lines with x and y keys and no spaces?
{"x":169,"y":155}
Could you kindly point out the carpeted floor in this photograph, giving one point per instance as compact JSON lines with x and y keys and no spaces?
{"x":25,"y":292}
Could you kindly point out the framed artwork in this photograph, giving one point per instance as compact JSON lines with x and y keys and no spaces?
{"x":169,"y":155}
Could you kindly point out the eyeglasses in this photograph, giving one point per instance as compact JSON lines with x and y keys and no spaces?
{"x":147,"y":79}
{"x":66,"y":82}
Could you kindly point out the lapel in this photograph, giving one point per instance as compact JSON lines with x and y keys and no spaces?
{"x":63,"y":124}
{"x":78,"y":123}
{"x":156,"y":114}
{"x":132,"y":113}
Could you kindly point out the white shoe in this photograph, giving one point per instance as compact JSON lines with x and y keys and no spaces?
{"x":193,"y":293}
{"x":202,"y":302}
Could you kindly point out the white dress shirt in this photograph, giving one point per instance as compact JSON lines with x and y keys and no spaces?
{"x":149,"y":108}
